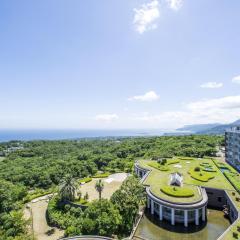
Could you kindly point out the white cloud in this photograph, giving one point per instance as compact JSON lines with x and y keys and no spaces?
{"x":230,"y":102}
{"x":145,"y":17}
{"x":175,"y":4}
{"x":236,"y":79}
{"x":147,"y":97}
{"x":107,"y":117}
{"x":222,"y":110}
{"x":211,"y":85}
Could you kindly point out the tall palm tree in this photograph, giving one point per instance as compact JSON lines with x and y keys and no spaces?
{"x":68,"y":188}
{"x":99,"y":187}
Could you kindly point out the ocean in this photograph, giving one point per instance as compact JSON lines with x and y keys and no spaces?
{"x":27,"y":135}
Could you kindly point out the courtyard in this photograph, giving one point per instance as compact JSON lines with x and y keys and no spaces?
{"x":111,"y":184}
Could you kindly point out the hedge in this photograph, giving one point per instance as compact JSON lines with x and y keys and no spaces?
{"x":234,"y":179}
{"x":101,"y":175}
{"x":158,"y":166}
{"x":186,"y":158}
{"x":81,"y":201}
{"x":172,"y":161}
{"x":209,"y":169}
{"x":37,"y":193}
{"x":177,"y":191}
{"x":200,"y":176}
{"x":85,"y":180}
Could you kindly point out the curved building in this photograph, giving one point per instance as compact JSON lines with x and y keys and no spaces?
{"x":183,"y":210}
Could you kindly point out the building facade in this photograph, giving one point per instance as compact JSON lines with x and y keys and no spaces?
{"x":173,"y":212}
{"x":232,"y":145}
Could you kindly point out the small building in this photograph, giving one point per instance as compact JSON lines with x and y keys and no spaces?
{"x":176,"y":179}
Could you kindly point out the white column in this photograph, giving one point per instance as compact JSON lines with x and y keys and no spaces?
{"x":196,"y":216}
{"x":173,"y":216}
{"x":204,"y":214}
{"x":185,"y":218}
{"x":160,"y":212}
{"x":152,"y":207}
{"x":148,"y":202}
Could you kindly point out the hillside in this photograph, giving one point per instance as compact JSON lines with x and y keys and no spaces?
{"x":219,"y":129}
{"x":198,"y":127}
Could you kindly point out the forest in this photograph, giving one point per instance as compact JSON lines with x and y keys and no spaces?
{"x":28,"y":168}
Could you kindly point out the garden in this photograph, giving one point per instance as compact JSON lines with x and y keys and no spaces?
{"x":201,"y":174}
{"x":230,"y":173}
{"x":102,"y":216}
{"x":177,"y":191}
{"x":163,"y":164}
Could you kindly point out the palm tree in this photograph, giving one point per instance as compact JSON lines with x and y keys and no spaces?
{"x":99,"y":187}
{"x":68,"y":188}
{"x":79,"y":194}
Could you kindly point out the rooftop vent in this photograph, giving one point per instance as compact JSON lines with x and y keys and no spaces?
{"x":176,"y":179}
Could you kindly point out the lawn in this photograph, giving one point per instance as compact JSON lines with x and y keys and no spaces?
{"x":230,"y":173}
{"x":234,"y":178}
{"x":233,"y":233}
{"x":111,"y":184}
{"x":158,"y":179}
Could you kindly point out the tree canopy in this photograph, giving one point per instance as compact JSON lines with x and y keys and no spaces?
{"x":40,"y":165}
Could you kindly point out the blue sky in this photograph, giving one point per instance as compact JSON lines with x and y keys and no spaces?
{"x":118,"y":64}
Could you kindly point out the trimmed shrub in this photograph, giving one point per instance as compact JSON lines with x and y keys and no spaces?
{"x":177,"y":191}
{"x":234,"y":179}
{"x":101,"y":175}
{"x":82,"y":201}
{"x":85,"y":180}
{"x":37,"y":193}
{"x":201,"y":176}
{"x":235,"y":235}
{"x":186,"y":158}
{"x":197,"y":169}
{"x":172,"y":161}
{"x":158,"y":166}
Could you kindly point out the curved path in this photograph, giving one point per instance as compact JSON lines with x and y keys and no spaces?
{"x":37,"y":210}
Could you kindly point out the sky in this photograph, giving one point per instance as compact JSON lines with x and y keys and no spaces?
{"x":119,"y":64}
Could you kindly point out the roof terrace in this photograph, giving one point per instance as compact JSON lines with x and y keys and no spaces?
{"x":194,"y":172}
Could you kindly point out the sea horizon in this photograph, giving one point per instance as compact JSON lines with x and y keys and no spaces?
{"x":65,"y":134}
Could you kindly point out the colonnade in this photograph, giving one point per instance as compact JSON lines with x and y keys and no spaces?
{"x":151,"y":203}
{"x":171,"y":213}
{"x":139,"y":172}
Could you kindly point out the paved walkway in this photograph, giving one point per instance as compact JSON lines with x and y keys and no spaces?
{"x":111,"y":184}
{"x":38,"y":207}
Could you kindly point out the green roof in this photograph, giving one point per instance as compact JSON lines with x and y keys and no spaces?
{"x":185,"y":166}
